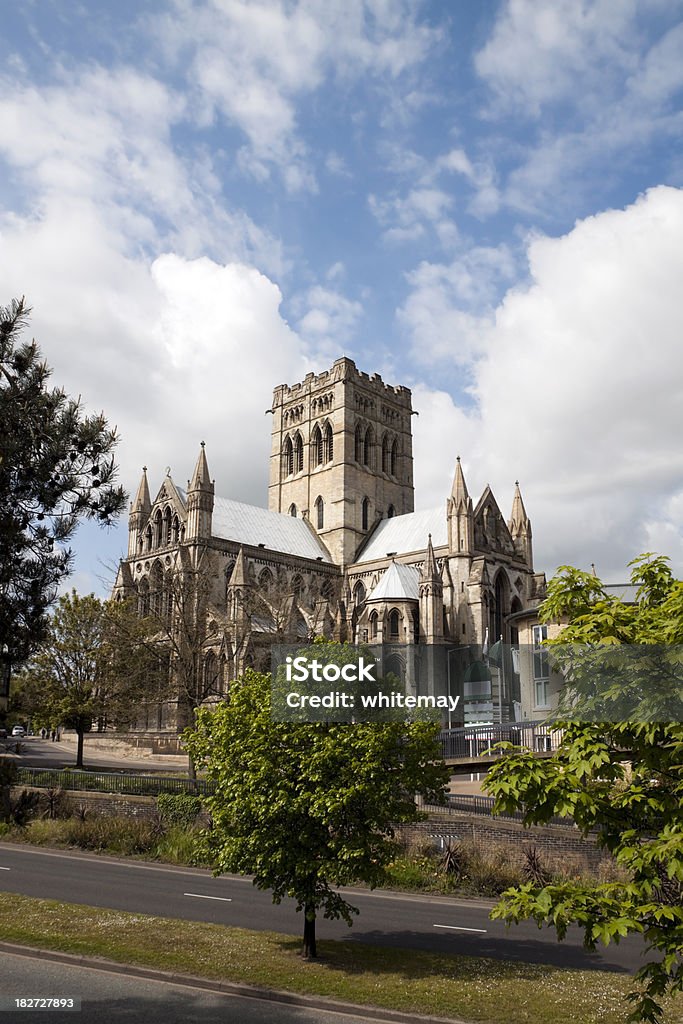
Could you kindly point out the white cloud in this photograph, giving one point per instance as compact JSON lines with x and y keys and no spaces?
{"x":405,"y":218}
{"x":580,"y":389}
{"x":448,"y":312}
{"x":594,"y":87}
{"x":252,"y":62}
{"x":539,"y":51}
{"x":327,"y":319}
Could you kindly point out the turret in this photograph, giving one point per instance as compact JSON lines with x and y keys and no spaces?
{"x":460,"y":516}
{"x":200,"y":495}
{"x":238,"y":591}
{"x":431,"y":598}
{"x":139,"y":514}
{"x":520,"y":528}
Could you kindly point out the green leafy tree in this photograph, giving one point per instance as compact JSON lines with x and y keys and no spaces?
{"x":622,"y":779}
{"x":56,"y":468}
{"x":309,"y":807}
{"x":82,"y":673}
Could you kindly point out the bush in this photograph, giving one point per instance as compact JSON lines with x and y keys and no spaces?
{"x":114,"y":835}
{"x":181,"y":809}
{"x":178,"y":846}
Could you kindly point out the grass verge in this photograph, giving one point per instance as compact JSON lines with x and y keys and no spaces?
{"x":476,"y":989}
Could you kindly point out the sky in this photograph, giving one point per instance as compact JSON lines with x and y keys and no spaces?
{"x":483,"y":201}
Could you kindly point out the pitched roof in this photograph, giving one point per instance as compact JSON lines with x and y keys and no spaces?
{"x":251,"y":525}
{"x":399,"y":583}
{"x":403,"y":534}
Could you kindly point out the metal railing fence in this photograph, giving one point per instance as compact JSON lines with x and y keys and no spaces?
{"x":474,"y":741}
{"x":110,"y":782}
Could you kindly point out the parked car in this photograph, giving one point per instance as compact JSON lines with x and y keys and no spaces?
{"x":19,"y":731}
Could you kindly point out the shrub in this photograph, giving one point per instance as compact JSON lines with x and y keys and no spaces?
{"x":181,"y":809}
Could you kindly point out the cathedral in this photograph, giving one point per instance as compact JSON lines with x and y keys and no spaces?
{"x":340,"y":551}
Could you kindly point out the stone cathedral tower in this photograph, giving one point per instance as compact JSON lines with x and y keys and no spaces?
{"x":341,"y":455}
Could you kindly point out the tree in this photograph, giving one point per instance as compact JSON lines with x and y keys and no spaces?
{"x":82,"y":673}
{"x":56,"y":468}
{"x":621,"y":778}
{"x":308,"y":807}
{"x":181,"y":628}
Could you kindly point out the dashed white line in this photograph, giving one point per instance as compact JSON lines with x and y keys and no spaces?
{"x":459,"y":928}
{"x":201,"y":896}
{"x":4,"y":869}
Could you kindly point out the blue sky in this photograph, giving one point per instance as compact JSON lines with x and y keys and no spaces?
{"x":481,"y":201}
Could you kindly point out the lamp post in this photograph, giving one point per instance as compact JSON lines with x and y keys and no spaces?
{"x":5,"y":672}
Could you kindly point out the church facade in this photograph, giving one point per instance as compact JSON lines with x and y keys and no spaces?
{"x":340,"y":551}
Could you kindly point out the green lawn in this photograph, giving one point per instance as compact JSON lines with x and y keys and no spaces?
{"x":475,"y":989}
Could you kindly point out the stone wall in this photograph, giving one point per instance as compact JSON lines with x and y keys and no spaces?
{"x":488,"y":832}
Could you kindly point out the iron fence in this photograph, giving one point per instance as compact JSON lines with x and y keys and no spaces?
{"x":110,"y":782}
{"x":474,"y":741}
{"x":475,"y":804}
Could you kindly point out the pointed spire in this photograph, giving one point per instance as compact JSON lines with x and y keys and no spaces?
{"x":240,"y":574}
{"x":459,"y":490}
{"x":430,"y":569}
{"x":143,"y":502}
{"x":201,"y":480}
{"x":519,"y":518}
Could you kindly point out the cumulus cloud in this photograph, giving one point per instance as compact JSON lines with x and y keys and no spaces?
{"x":579,"y":390}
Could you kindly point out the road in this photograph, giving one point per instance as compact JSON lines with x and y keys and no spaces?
{"x":118,"y":999}
{"x":37,"y":753}
{"x":389,"y":919}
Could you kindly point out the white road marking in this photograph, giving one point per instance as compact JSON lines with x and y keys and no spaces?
{"x":201,"y":896}
{"x":4,"y":869}
{"x":458,"y":928}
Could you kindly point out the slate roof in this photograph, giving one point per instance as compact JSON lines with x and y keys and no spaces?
{"x":403,"y":534}
{"x":251,"y":525}
{"x":399,"y":583}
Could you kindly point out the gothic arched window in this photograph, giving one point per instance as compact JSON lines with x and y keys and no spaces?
{"x":386,"y":463}
{"x":298,"y":454}
{"x":317,"y":446}
{"x":359,"y":444}
{"x":368,"y":444}
{"x":158,"y":529}
{"x":297,"y":585}
{"x":358,"y":594}
{"x":320,"y":512}
{"x":148,"y":538}
{"x":143,"y":598}
{"x":292,"y":511}
{"x":328,"y":443}
{"x":391,"y":512}
{"x":374,"y":620}
{"x":210,"y":674}
{"x":393,"y":466}
{"x":168,"y":536}
{"x":394,"y":624}
{"x":265,"y":579}
{"x":365,"y":513}
{"x":156,"y":591}
{"x":288,"y":456}
{"x":176,"y":530}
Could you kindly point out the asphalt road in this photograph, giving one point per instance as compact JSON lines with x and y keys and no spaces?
{"x":37,"y":753}
{"x":118,"y":999}
{"x":390,"y":919}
